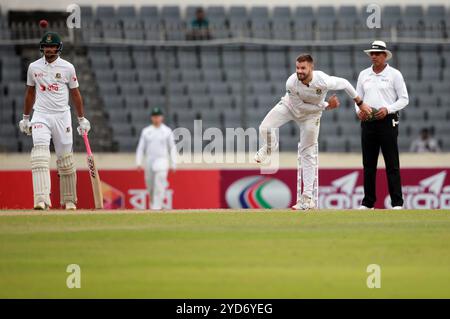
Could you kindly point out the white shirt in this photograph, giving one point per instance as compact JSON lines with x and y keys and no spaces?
{"x":52,"y":82}
{"x":385,"y":89}
{"x":156,"y":144}
{"x":424,"y":146}
{"x":311,"y":98}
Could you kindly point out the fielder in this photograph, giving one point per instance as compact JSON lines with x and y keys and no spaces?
{"x":303,"y":103}
{"x":156,"y":146}
{"x":49,"y":82}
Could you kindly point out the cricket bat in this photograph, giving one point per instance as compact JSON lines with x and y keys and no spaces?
{"x":93,"y":173}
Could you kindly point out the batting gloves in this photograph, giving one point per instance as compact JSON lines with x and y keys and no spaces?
{"x":25,"y":125}
{"x":84,"y":125}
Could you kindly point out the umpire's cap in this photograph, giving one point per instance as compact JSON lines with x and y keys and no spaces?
{"x":379,"y":46}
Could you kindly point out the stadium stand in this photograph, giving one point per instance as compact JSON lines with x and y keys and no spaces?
{"x":231,"y":85}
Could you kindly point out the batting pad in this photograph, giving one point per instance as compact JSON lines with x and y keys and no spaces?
{"x":40,"y":160}
{"x":67,"y":178}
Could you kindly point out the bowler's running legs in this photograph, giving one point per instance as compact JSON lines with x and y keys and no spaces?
{"x":278,"y":116}
{"x":308,"y":157}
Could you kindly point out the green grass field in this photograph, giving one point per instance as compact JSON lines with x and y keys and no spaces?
{"x":225,"y":254}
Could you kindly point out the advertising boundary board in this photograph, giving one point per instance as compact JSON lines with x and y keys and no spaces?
{"x":427,"y":188}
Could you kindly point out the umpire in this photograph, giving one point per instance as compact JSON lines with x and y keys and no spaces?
{"x":382,"y":88}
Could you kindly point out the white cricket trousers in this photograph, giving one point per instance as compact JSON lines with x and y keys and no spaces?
{"x":55,"y":126}
{"x":309,"y":126}
{"x":156,"y":182}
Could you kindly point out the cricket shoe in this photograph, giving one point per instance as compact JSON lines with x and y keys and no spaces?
{"x":41,"y":206}
{"x":305,"y":203}
{"x":397,"y":207}
{"x":362,"y":207}
{"x":70,"y":206}
{"x":262,"y":156}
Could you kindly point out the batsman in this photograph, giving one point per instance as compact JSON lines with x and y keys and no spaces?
{"x":50,"y":80}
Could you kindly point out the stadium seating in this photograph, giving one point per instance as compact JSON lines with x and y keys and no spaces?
{"x":236,"y":85}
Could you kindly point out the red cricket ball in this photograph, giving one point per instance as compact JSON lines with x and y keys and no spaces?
{"x":43,"y":24}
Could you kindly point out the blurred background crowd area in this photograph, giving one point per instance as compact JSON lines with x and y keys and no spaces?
{"x":228,"y":66}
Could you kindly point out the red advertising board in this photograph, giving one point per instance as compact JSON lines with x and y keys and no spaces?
{"x":339,"y":189}
{"x":121,"y":189}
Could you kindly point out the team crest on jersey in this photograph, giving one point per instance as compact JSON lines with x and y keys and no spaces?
{"x":58,"y":75}
{"x":68,"y":129}
{"x":318,"y":91}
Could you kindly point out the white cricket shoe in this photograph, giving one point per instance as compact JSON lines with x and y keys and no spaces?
{"x":397,"y":207}
{"x":262,"y":155}
{"x":362,"y":207}
{"x":71,"y":206}
{"x":305,"y":203}
{"x":41,"y":206}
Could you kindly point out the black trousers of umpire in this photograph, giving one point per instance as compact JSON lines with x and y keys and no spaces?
{"x":376,"y":135}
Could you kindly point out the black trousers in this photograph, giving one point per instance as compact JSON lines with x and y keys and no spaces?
{"x":376,"y":135}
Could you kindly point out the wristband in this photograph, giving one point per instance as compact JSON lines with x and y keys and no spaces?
{"x":360,"y":103}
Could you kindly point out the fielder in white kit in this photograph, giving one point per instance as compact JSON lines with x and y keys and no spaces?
{"x":156,"y":152}
{"x":303,"y":103}
{"x":49,"y":82}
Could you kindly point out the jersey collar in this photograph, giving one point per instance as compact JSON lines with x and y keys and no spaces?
{"x":310,"y":83}
{"x":53,"y":64}
{"x":382,"y":73}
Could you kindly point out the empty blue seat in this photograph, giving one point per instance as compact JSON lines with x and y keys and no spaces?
{"x":303,"y":28}
{"x":254,"y":59}
{"x":258,"y":13}
{"x":214,"y":12}
{"x":130,"y":89}
{"x":87,"y":12}
{"x":223,"y":102}
{"x":126,"y":76}
{"x":148,"y":75}
{"x":262,"y":88}
{"x":326,"y":13}
{"x":347,"y":13}
{"x":413,"y":14}
{"x":170,"y":13}
{"x":435,"y":12}
{"x":135,"y":103}
{"x":105,"y":12}
{"x":281,"y":12}
{"x":281,"y":29}
{"x":108,"y":88}
{"x":218,"y":88}
{"x":233,"y":74}
{"x":212,"y":75}
{"x":197,"y":88}
{"x":304,"y":13}
{"x":260,"y":29}
{"x":210,"y":58}
{"x":237,"y":12}
{"x":391,"y":16}
{"x":232,"y":59}
{"x":126,"y":12}
{"x":151,"y":89}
